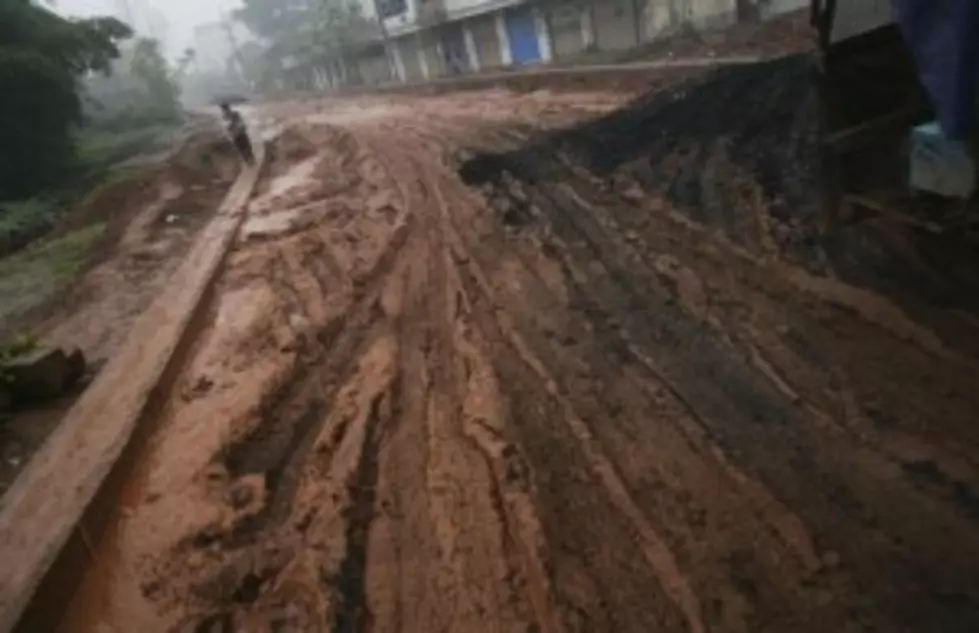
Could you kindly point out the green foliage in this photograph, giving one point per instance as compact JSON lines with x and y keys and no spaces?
{"x":140,"y":93}
{"x":78,"y":46}
{"x":69,"y":252}
{"x":21,"y":345}
{"x":30,"y":277}
{"x":101,"y":149}
{"x":305,"y":33}
{"x":188,"y":57}
{"x":42,"y":56}
{"x":270,"y":18}
{"x":150,"y":68}
{"x":91,"y":45}
{"x":25,"y":220}
{"x":253,"y":62}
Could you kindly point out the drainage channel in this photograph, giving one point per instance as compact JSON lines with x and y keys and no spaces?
{"x":72,"y":494}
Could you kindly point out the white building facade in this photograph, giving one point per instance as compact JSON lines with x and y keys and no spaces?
{"x":437,"y":38}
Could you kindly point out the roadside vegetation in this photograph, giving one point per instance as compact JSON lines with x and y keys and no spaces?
{"x":43,"y":62}
{"x":39,"y":271}
{"x":97,"y":96}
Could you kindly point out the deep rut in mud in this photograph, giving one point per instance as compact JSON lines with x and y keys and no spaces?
{"x":547,"y":395}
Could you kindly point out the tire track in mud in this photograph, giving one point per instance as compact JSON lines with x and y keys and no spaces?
{"x":769,"y":511}
{"x":660,"y":556}
{"x":772,"y":356}
{"x":657,"y":554}
{"x":352,"y":615}
{"x":578,"y":612}
{"x":509,"y":470}
{"x":580,"y":224}
{"x":549,"y":405}
{"x":414,"y":300}
{"x":296,"y":413}
{"x":745,"y":346}
{"x":447,"y":384}
{"x":302,"y":411}
{"x":214,"y":575}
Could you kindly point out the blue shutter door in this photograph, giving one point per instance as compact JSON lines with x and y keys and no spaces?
{"x":523,"y":36}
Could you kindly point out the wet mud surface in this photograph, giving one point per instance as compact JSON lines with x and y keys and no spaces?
{"x":489,"y":363}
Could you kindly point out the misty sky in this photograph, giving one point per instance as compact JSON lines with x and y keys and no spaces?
{"x":183,"y":15}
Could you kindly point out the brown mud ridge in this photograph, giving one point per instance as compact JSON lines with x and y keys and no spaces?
{"x":614,"y":383}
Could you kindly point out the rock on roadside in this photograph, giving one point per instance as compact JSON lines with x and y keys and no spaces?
{"x":42,"y":374}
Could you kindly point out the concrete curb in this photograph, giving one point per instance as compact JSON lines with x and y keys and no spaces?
{"x":51,"y":498}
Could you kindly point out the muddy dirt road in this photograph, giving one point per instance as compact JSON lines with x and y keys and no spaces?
{"x":440,"y":392}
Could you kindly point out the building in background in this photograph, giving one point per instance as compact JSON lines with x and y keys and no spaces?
{"x":436,"y":38}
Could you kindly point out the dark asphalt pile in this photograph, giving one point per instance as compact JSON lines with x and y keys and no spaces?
{"x":737,"y":149}
{"x":760,"y":116}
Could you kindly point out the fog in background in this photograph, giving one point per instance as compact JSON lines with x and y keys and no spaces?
{"x":170,"y":21}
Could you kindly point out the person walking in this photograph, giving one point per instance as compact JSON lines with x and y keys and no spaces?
{"x":238,"y":132}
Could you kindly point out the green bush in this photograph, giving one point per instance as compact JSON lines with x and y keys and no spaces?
{"x":99,"y":150}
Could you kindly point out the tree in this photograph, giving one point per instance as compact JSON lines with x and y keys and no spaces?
{"x":42,"y":58}
{"x":150,"y":68}
{"x":253,"y":63}
{"x":304,"y":34}
{"x":275,"y":20}
{"x":36,"y":113}
{"x":184,"y":63}
{"x":80,"y":45}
